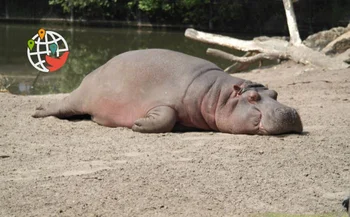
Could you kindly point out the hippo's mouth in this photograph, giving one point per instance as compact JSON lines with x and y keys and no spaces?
{"x":261,"y":128}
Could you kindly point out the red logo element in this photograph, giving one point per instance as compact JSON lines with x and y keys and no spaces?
{"x":56,"y":63}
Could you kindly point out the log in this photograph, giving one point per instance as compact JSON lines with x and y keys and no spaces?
{"x":269,"y":48}
{"x":225,"y":41}
{"x":277,"y":48}
{"x":238,"y":67}
{"x":251,"y":59}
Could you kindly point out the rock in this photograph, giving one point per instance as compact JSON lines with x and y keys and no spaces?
{"x":320,"y":40}
{"x":339,"y":45}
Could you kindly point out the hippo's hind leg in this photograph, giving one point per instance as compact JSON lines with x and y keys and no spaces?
{"x":67,"y":107}
{"x":160,"y":119}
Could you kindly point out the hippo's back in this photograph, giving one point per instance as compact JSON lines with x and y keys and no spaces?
{"x":136,"y":81}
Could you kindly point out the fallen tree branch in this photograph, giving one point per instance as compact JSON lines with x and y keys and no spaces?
{"x":252,"y":59}
{"x":238,"y":67}
{"x":277,"y":48}
{"x":269,"y":48}
{"x":225,"y":41}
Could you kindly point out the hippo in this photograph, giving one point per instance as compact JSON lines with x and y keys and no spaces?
{"x":152,"y":90}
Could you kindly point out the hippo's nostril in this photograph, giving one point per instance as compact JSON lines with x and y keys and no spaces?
{"x":288,"y":115}
{"x":288,"y":120}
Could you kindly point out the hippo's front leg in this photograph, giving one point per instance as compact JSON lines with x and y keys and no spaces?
{"x":160,"y":119}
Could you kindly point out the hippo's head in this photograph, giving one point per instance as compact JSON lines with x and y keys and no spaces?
{"x":255,"y":110}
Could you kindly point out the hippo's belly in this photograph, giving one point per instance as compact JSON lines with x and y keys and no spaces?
{"x":122,"y":111}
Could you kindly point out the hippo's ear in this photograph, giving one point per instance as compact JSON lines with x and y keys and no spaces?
{"x":273,"y":94}
{"x":237,"y":89}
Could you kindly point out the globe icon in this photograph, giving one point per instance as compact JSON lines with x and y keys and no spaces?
{"x":47,"y":51}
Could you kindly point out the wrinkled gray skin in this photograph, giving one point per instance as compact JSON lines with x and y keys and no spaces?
{"x":152,"y":90}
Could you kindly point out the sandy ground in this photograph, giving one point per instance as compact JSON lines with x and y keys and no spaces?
{"x":52,"y":167}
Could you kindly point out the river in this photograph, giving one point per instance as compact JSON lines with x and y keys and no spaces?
{"x":89,"y":48}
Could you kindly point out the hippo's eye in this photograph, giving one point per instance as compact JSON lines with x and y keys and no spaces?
{"x":253,"y":96}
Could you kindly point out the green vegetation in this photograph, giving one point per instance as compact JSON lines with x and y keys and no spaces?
{"x":239,"y":16}
{"x":81,"y":4}
{"x":228,"y":15}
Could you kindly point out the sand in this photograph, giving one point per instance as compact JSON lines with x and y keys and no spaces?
{"x":53,"y":167}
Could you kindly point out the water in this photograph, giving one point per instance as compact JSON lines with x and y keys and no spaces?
{"x":89,"y":48}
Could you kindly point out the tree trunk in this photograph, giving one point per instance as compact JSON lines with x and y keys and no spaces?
{"x":71,"y":12}
{"x":210,"y":23}
{"x":292,"y":23}
{"x":7,"y":16}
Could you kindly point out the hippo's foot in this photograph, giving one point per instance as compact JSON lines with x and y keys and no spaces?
{"x":62,"y":109}
{"x":160,"y":119}
{"x":40,"y":112}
